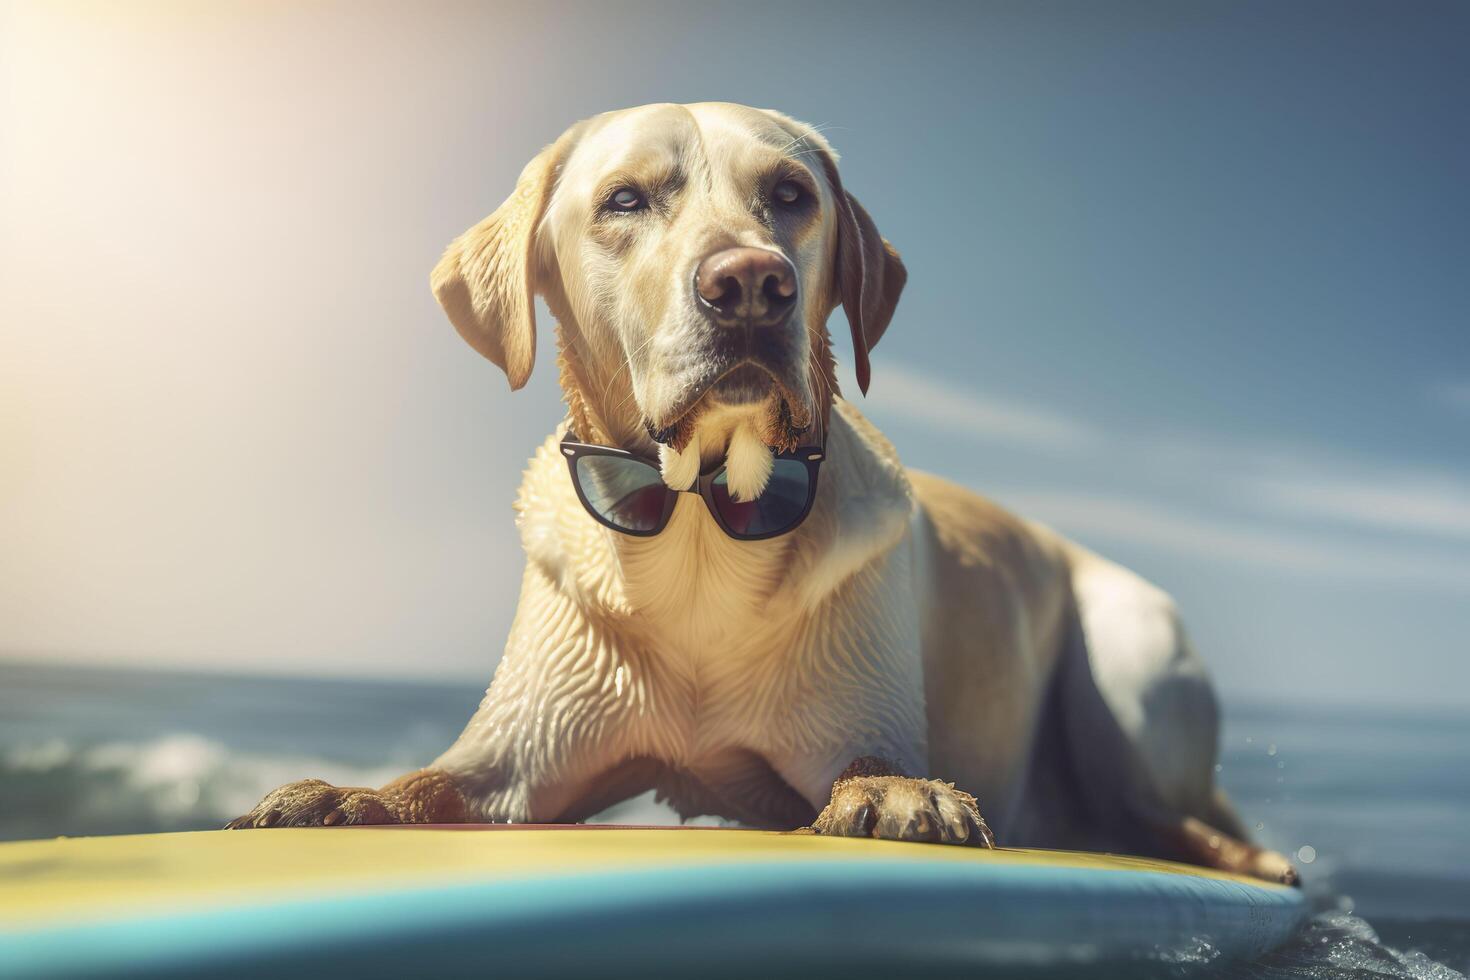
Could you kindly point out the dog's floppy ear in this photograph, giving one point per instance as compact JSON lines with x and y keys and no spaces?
{"x":870,"y":275}
{"x":487,"y":279}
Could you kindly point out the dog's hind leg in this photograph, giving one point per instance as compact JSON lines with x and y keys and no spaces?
{"x":1208,"y":845}
{"x":1142,"y":728}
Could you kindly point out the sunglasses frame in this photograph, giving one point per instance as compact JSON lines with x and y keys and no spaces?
{"x":810,"y":456}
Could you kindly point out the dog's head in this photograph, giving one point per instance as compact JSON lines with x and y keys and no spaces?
{"x":693,"y":255}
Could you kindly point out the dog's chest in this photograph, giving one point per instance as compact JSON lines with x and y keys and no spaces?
{"x":739,"y":657}
{"x":726,"y":683}
{"x":696,"y":592}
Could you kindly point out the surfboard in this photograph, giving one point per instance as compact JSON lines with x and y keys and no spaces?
{"x":585,"y":901}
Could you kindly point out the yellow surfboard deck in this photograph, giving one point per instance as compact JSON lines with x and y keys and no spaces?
{"x":551,"y":901}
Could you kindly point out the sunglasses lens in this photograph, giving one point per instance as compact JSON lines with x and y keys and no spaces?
{"x":625,"y":492}
{"x":775,"y":510}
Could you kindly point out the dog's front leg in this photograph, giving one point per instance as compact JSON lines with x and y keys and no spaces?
{"x":872,"y":798}
{"x":864,"y":781}
{"x":863,"y":770}
{"x":560,"y":713}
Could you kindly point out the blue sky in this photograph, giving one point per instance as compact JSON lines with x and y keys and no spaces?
{"x":1186,"y":281}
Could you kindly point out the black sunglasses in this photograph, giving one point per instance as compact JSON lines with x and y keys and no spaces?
{"x":627,"y":493}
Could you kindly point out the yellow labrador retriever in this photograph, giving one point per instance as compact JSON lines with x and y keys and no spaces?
{"x":811,"y":632}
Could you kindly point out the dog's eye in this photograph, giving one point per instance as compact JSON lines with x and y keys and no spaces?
{"x":788,"y":193}
{"x":626,"y":199}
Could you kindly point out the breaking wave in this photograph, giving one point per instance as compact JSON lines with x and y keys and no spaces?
{"x":183,"y":781}
{"x":1337,"y":945}
{"x":180,"y":781}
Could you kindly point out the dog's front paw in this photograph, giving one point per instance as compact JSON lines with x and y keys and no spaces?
{"x":314,"y":803}
{"x":901,"y":808}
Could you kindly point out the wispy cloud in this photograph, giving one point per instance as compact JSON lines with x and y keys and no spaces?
{"x":940,"y":404}
{"x":1435,"y":506}
{"x":1237,"y":542}
{"x":1261,"y":502}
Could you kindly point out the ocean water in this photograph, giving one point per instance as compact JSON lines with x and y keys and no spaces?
{"x":1374,"y":805}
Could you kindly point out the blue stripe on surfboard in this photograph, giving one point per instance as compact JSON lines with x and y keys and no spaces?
{"x":813,"y":917}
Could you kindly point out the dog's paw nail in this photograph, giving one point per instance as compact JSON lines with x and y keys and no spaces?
{"x":333,"y":817}
{"x":268,"y":819}
{"x":958,"y":826}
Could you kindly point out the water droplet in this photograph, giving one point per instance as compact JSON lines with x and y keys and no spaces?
{"x":1219,"y":768}
{"x":618,"y":681}
{"x":1249,"y":740}
{"x":1281,"y":765}
{"x":1271,"y":749}
{"x":1260,"y":825}
{"x":1306,"y":854}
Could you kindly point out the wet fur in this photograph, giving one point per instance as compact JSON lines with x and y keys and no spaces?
{"x":907,"y":620}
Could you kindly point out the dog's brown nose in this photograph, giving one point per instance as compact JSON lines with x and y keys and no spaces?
{"x":746,"y":286}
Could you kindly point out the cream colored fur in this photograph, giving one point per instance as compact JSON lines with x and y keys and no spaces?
{"x":924,"y":628}
{"x":907,"y":619}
